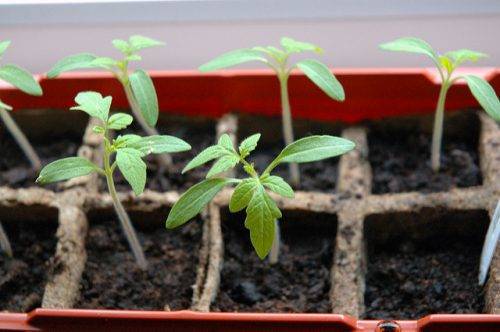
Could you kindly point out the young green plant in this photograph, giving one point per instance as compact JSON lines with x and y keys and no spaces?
{"x":24,"y":81}
{"x":446,"y":64}
{"x":278,"y":60}
{"x":251,"y":193}
{"x":138,"y":86}
{"x":128,"y":151}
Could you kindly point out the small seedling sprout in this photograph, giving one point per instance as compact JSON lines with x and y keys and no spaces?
{"x":278,"y":60}
{"x":446,"y":65}
{"x":138,"y":86}
{"x":251,"y":193}
{"x":128,"y":151}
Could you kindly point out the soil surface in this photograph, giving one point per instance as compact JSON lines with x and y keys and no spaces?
{"x":15,"y":168}
{"x":199,"y":137}
{"x":417,"y":279}
{"x":400,"y":160}
{"x":316,"y":176}
{"x":112,"y":280}
{"x":299,"y":282}
{"x":22,"y":278}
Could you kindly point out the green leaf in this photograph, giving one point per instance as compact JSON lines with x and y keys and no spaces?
{"x":122,"y":45}
{"x":323,"y":78}
{"x":133,"y":168}
{"x":127,"y":141}
{"x":485,"y":95}
{"x":98,"y":129}
{"x":72,"y":62}
{"x":133,"y":57}
{"x":261,"y":215}
{"x":194,"y":200}
{"x":242,"y":194}
{"x":210,"y":153}
{"x":226,"y":142}
{"x":411,"y":45}
{"x":159,"y":144}
{"x":274,"y":52}
{"x":5,"y":106}
{"x":278,"y":185}
{"x":93,"y":104}
{"x":460,"y":56}
{"x":248,"y":145}
{"x":233,"y":58}
{"x":21,"y":79}
{"x":145,"y":94}
{"x":294,"y":46}
{"x":223,"y":164}
{"x":138,"y":42}
{"x":64,"y":169}
{"x":104,"y":62}
{"x":312,"y":148}
{"x":3,"y":46}
{"x":119,"y":121}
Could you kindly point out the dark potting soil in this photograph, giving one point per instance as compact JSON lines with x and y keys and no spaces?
{"x":299,"y":282}
{"x":417,"y":279}
{"x":400,"y":159}
{"x":316,"y":176}
{"x":23,"y":277}
{"x":112,"y":279}
{"x":15,"y":168}
{"x":199,"y":137}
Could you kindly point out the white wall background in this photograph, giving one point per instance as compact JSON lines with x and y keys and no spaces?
{"x":44,"y":31}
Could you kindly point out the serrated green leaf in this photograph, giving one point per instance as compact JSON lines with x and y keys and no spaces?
{"x":411,"y":45}
{"x":210,"y":153}
{"x":3,"y":46}
{"x":312,"y":148}
{"x":21,"y":79}
{"x":64,"y":169}
{"x":194,"y":200}
{"x":323,"y":78}
{"x":261,"y":215}
{"x":133,"y":168}
{"x":226,"y":142}
{"x":159,"y":144}
{"x":5,"y":106}
{"x":119,"y":121}
{"x":485,"y":95}
{"x":295,"y":46}
{"x":138,"y":42}
{"x":223,"y":164}
{"x":248,"y":145}
{"x":278,"y":185}
{"x":233,"y":58}
{"x":93,"y":104}
{"x":145,"y":94}
{"x":104,"y":62}
{"x":122,"y":45}
{"x":460,"y":56}
{"x":72,"y":62}
{"x":242,"y":194}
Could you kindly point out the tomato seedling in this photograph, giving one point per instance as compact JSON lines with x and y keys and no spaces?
{"x":277,"y":59}
{"x":128,"y":151}
{"x":250,"y":193}
{"x":24,"y":81}
{"x":138,"y":86}
{"x":446,"y":65}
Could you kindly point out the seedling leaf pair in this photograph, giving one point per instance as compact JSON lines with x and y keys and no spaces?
{"x":446,"y":65}
{"x":250,"y":193}
{"x":140,"y":83}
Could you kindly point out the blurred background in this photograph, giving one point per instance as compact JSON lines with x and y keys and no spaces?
{"x":195,"y":31}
